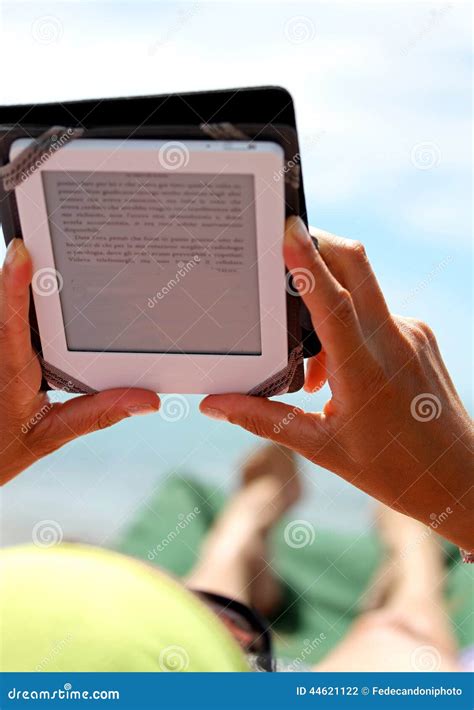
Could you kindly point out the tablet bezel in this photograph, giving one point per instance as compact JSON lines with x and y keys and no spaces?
{"x":166,"y":372}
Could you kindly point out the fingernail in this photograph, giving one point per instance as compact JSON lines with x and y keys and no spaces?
{"x":136,"y":409}
{"x":214,"y":413}
{"x":16,"y":252}
{"x":298,"y":232}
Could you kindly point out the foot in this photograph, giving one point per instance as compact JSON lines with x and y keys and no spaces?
{"x":273,"y":469}
{"x":271,"y":475}
{"x":409,"y":546}
{"x":235,"y":556}
{"x":408,"y":591}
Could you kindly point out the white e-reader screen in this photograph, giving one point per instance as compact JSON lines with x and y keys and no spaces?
{"x":156,"y":262}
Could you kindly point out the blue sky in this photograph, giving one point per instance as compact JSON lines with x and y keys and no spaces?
{"x":383,"y":100}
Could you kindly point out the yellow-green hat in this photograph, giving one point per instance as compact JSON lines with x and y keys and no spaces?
{"x":80,"y":608}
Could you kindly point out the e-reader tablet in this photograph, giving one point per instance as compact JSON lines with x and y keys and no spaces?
{"x":249,"y":114}
{"x":158,"y":263}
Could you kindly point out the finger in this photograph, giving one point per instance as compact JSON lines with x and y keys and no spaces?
{"x":330,"y":305}
{"x":348,"y":262}
{"x":286,"y":425}
{"x":83,"y":415}
{"x":15,"y":302}
{"x":316,"y":372}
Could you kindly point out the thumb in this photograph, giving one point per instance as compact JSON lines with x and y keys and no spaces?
{"x":82,"y":415}
{"x":286,"y":425}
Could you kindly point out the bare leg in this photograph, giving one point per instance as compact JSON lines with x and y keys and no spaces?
{"x":234,"y":560}
{"x":411,"y":630}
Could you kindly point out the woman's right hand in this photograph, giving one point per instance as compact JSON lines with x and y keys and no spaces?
{"x":30,"y":425}
{"x":394,"y":426}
